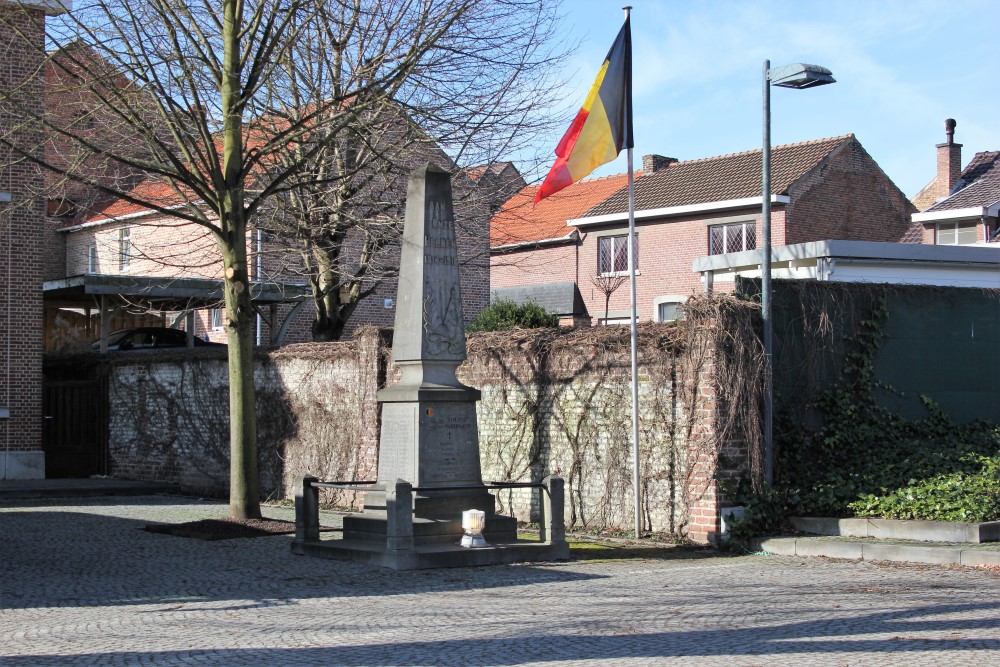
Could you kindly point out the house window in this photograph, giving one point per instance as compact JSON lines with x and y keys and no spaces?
{"x":612,"y":254}
{"x":215,"y":318}
{"x":668,"y":311}
{"x":92,"y":259}
{"x":668,"y":307}
{"x":124,"y":249}
{"x":956,"y":233}
{"x":734,"y":237}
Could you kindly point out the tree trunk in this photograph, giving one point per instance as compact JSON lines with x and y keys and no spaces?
{"x":244,"y":482}
{"x":328,"y":325}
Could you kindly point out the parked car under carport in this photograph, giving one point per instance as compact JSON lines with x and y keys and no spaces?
{"x":151,"y":338}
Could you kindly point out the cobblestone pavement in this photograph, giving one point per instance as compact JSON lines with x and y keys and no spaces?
{"x":81,"y":584}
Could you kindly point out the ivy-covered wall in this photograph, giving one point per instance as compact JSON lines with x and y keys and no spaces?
{"x":316,"y":415}
{"x":554,"y":401}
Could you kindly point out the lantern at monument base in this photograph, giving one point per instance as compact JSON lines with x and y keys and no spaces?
{"x":473,"y":523}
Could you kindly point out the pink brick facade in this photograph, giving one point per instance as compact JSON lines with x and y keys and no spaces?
{"x":164,"y":247}
{"x":21,"y":261}
{"x":845,"y":196}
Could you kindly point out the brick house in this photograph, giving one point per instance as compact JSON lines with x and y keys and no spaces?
{"x":22,"y":214}
{"x":823,"y":189}
{"x":123,"y":239}
{"x":91,"y":237}
{"x":959,"y":206}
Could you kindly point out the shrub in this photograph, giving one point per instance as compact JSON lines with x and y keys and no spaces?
{"x":506,"y":314}
{"x":956,"y":496}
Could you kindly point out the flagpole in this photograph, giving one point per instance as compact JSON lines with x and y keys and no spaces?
{"x":634,"y":346}
{"x":634,"y":334}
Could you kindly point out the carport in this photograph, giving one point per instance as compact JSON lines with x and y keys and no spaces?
{"x":109,"y":295}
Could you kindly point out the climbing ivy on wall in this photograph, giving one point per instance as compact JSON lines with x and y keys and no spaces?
{"x":558,"y":401}
{"x":841,"y":452}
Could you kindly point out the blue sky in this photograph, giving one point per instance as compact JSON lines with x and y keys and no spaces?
{"x":902,"y":67}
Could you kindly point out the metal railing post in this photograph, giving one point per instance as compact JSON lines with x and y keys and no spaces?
{"x":552,"y":527}
{"x":307,"y":511}
{"x":399,"y":517}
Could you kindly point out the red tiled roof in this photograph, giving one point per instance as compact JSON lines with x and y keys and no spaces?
{"x":476,"y":172}
{"x":151,"y":190}
{"x":518,"y":221}
{"x":721,"y":178}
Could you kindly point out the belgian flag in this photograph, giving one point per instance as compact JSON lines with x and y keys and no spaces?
{"x":603,"y":127}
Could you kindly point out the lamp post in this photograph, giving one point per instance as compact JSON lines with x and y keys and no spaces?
{"x":799,"y":75}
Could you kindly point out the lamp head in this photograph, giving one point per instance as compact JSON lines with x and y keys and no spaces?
{"x":800,"y":75}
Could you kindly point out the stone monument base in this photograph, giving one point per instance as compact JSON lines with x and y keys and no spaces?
{"x":394,"y":538}
{"x":373,"y":527}
{"x":432,"y":555}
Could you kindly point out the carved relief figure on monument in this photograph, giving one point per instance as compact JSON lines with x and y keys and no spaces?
{"x":442,"y":312}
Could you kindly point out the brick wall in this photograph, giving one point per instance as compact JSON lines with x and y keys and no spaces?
{"x":847,"y":197}
{"x":553,"y":402}
{"x":168,"y":247}
{"x":316,"y":407}
{"x":21,"y":261}
{"x":160,"y":246}
{"x":547,"y":264}
{"x":667,"y":250}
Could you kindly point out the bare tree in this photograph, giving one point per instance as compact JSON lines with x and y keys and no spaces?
{"x":476,"y":93}
{"x":211,"y":110}
{"x":607,"y":284}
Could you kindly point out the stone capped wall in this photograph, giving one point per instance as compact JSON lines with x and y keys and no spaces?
{"x":554,"y":402}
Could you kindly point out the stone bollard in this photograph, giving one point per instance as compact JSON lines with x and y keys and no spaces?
{"x":552,"y":525}
{"x":307,"y":511}
{"x":399,"y":517}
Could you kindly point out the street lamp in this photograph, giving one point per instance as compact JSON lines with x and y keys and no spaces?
{"x":798,"y":76}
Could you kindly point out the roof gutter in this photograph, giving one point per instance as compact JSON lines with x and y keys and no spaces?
{"x":572,"y":236}
{"x":970,"y":212}
{"x":129,"y":216}
{"x":669,"y":211}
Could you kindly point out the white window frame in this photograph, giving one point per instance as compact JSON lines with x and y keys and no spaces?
{"x":92,"y":259}
{"x":124,"y":249}
{"x":615,"y":239}
{"x":726,"y":231}
{"x":678,"y":299}
{"x":952,"y":230}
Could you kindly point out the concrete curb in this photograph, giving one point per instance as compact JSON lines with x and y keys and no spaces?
{"x":80,"y":488}
{"x":896,"y":529}
{"x":880,"y":551}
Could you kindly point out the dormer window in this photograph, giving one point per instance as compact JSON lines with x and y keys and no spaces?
{"x":956,"y":233}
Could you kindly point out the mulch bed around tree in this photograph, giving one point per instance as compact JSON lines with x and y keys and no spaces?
{"x":223,"y":529}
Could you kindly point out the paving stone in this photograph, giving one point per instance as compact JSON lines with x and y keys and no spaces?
{"x":82,"y":584}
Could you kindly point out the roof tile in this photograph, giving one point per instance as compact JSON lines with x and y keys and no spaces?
{"x":979,"y":184}
{"x":721,"y":178}
{"x":518,"y":221}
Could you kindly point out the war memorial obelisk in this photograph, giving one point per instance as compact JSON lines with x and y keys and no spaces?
{"x":429,"y":435}
{"x":429,"y":468}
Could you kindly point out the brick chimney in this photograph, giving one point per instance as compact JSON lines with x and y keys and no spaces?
{"x":949,"y":161}
{"x":654,"y":163}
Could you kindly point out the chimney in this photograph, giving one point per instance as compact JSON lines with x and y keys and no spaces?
{"x":654,"y":163}
{"x":949,"y":161}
